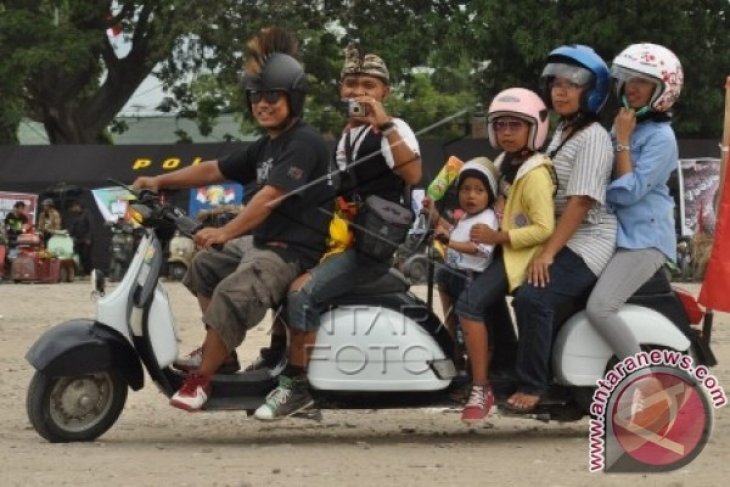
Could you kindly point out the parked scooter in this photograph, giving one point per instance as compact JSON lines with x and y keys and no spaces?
{"x":34,"y":263}
{"x":122,"y":248}
{"x":182,"y":248}
{"x":379,"y":346}
{"x":182,"y":251}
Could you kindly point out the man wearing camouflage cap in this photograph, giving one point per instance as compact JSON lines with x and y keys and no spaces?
{"x":378,"y":155}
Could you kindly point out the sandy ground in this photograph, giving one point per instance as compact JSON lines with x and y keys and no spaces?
{"x":154,"y":444}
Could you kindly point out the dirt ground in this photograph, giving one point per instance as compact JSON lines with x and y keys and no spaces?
{"x":154,"y":444}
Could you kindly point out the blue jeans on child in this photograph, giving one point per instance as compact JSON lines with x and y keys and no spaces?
{"x":570,"y":278}
{"x":334,"y":276}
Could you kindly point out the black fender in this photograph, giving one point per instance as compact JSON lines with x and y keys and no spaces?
{"x":83,"y":346}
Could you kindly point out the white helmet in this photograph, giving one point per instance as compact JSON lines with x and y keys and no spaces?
{"x":655,"y":63}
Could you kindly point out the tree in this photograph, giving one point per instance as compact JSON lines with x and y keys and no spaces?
{"x":516,"y":37}
{"x":68,"y":75}
{"x":60,"y":67}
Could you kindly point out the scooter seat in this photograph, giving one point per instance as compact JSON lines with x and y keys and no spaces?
{"x":657,"y":284}
{"x":392,"y":282}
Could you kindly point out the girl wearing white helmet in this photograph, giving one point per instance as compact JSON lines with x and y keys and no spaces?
{"x":476,"y":187}
{"x":648,"y":80}
{"x":518,"y":124}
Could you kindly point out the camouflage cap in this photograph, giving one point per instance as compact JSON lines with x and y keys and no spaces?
{"x":369,"y":64}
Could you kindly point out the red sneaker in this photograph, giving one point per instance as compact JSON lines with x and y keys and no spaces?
{"x":193,"y":394}
{"x":479,"y":404}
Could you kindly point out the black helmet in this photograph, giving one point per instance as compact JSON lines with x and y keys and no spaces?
{"x":281,"y":72}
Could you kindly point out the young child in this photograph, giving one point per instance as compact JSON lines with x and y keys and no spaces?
{"x":476,"y":187}
{"x":518,"y":125}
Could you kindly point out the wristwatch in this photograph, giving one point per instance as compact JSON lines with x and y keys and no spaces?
{"x":387,"y":128}
{"x":621,"y":148}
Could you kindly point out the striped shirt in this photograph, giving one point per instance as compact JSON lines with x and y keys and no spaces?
{"x":583,"y":166}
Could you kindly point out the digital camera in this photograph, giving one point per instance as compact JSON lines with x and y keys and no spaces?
{"x":355,"y":109}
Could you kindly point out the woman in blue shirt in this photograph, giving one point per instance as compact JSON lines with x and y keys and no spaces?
{"x":648,"y":82}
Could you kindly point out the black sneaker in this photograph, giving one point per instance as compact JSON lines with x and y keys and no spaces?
{"x":290,"y":397}
{"x":268,"y":358}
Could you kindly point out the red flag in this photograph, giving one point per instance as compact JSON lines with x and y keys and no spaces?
{"x":715,"y":293}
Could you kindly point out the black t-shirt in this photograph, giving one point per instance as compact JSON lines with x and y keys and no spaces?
{"x":372,"y":175}
{"x":288,"y":162}
{"x":14,"y":223}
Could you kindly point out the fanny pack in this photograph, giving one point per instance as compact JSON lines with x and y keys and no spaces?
{"x":380,"y":227}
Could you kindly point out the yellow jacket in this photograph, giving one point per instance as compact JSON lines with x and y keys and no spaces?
{"x":529,"y":215}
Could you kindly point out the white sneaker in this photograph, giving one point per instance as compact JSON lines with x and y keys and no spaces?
{"x":193,"y":394}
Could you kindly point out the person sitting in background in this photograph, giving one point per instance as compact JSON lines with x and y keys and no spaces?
{"x":14,"y":222}
{"x":49,"y":219}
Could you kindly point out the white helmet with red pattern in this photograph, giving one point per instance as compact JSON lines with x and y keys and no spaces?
{"x":655,"y":63}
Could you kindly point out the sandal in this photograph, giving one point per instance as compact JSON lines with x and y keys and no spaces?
{"x":520,"y":409}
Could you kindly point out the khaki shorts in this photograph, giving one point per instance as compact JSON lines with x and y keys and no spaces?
{"x":242,"y":282}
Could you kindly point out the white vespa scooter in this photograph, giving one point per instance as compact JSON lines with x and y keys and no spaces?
{"x":380,"y":346}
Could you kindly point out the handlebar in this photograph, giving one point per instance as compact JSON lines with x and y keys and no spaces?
{"x":156,"y":212}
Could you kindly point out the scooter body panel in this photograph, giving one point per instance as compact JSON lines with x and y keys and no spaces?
{"x":83,"y":346}
{"x":373,"y":348}
{"x":114,"y":308}
{"x":162,"y":329}
{"x":580,"y":354}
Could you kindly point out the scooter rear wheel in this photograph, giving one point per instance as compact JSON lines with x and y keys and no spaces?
{"x":81,"y":408}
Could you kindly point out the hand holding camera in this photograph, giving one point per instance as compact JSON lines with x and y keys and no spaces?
{"x":355,"y":109}
{"x":366,"y":109}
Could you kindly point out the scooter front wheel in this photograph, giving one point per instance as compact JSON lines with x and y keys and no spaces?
{"x":81,"y":408}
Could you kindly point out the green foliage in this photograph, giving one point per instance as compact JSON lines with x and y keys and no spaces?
{"x":517,"y":35}
{"x":60,"y":68}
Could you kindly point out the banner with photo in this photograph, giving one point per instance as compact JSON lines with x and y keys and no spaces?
{"x":113,"y":202}
{"x":698,"y":185}
{"x":209,"y":197}
{"x":8,"y":199}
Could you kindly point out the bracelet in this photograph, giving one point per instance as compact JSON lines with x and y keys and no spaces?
{"x":387,"y":128}
{"x":621,"y":148}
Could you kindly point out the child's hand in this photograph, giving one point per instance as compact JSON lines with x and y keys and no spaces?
{"x":430,"y":210}
{"x":499,"y":208}
{"x":441,"y":235}
{"x":483,"y":234}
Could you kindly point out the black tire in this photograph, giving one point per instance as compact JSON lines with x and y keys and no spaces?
{"x":176,"y":271}
{"x":55,"y":409}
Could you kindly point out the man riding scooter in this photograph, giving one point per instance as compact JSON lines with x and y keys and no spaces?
{"x":236,"y":285}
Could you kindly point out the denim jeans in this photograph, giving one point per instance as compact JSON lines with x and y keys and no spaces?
{"x":486,"y":290}
{"x":333,"y":277}
{"x":570,"y":278}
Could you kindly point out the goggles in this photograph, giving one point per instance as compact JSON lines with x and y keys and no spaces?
{"x":271,"y":96}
